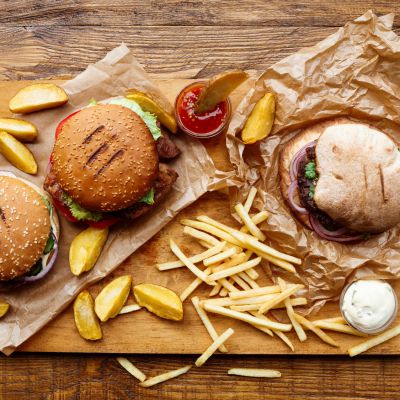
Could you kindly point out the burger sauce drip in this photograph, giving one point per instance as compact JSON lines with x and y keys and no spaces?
{"x":199,"y":123}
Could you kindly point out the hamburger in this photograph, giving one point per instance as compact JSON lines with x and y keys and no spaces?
{"x":341,"y":179}
{"x":29,"y":232}
{"x":109,"y":163}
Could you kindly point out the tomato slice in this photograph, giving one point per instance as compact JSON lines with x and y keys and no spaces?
{"x":64,"y":210}
{"x":104,"y":223}
{"x":62,"y":123}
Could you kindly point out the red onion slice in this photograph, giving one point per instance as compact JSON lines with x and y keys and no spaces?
{"x":297,"y":158}
{"x":332,"y":235}
{"x":293,"y":186}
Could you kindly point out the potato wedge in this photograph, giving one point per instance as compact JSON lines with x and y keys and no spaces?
{"x":20,"y":129}
{"x":85,"y":318}
{"x":112,"y":298}
{"x":36,"y":97}
{"x":150,"y":105}
{"x":159,"y":300}
{"x":4,"y":307}
{"x":259,"y":124}
{"x":17,"y":153}
{"x":219,"y":88}
{"x":86,"y":248}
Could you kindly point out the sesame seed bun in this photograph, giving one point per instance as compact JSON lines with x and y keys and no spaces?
{"x":105,"y":158}
{"x":24,"y":227}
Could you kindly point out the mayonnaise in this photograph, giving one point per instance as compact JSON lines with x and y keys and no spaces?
{"x":369,"y":305}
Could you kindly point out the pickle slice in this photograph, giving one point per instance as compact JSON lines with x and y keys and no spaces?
{"x":159,"y":300}
{"x":20,"y":129}
{"x":112,"y":298}
{"x":148,"y":104}
{"x":86,"y":248}
{"x":85,"y":318}
{"x":36,"y":97}
{"x":259,"y":124}
{"x":219,"y":88}
{"x":17,"y":153}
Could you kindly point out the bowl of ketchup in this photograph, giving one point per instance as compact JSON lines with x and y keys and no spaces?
{"x":200,"y":125}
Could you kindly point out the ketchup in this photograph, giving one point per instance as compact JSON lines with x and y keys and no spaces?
{"x":201,"y":125}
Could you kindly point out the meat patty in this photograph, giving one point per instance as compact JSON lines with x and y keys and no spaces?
{"x":52,"y":186}
{"x":162,"y":186}
{"x":166,"y":148}
{"x":305,"y":185}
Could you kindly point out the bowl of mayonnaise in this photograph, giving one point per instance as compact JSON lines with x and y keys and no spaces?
{"x":369,"y":306}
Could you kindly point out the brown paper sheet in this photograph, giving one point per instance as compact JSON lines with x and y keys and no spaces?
{"x":354,"y":72}
{"x":36,"y":304}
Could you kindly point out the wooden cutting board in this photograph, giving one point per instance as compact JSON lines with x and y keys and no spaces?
{"x":142,"y":332}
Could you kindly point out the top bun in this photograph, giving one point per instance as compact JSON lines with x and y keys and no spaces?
{"x":359,"y":177}
{"x":105,"y":158}
{"x":24,"y":227}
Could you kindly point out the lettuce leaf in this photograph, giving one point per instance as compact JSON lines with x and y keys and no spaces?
{"x":148,"y":198}
{"x":79,"y":212}
{"x":149,"y":119}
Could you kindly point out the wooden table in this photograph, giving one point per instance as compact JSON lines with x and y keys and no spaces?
{"x":40,"y":39}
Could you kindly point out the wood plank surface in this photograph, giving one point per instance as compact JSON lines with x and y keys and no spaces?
{"x":40,"y":39}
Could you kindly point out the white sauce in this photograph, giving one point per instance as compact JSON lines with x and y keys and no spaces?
{"x":369,"y":305}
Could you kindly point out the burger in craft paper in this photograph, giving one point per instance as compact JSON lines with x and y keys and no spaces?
{"x":37,"y":303}
{"x":352,"y":74}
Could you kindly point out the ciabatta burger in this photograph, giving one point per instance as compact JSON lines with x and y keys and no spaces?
{"x":342,"y":179}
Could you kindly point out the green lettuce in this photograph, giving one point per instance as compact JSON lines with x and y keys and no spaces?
{"x":149,"y":119}
{"x":79,"y":212}
{"x":148,"y":198}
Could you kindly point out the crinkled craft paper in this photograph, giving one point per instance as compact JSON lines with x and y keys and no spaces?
{"x":353,"y":72}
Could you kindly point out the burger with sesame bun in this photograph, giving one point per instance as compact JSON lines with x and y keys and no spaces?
{"x":341,"y":178}
{"x":29,"y":232}
{"x":109,"y":163}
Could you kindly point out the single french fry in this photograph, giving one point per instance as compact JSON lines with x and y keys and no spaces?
{"x":298,"y":301}
{"x":290,"y":312}
{"x":332,"y":326}
{"x":255,"y":292}
{"x":134,"y":371}
{"x":375,"y":341}
{"x":205,"y":244}
{"x":258,"y":300}
{"x":207,"y":323}
{"x":220,"y":256}
{"x":130,"y":308}
{"x":194,"y":259}
{"x":215,"y":290}
{"x":284,"y":339}
{"x":211,"y":229}
{"x":201,"y":235}
{"x":223,"y":292}
{"x":254,"y":244}
{"x":250,"y":198}
{"x":279,"y":298}
{"x":196,"y":271}
{"x":234,"y":270}
{"x":335,"y":320}
{"x":268,"y":331}
{"x":165,"y":377}
{"x":257,"y":219}
{"x":214,"y":346}
{"x":227,"y":285}
{"x":246,"y":318}
{"x":320,"y":333}
{"x":251,"y":226}
{"x":193,"y":286}
{"x":255,"y":373}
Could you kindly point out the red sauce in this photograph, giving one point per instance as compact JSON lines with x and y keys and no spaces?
{"x":205,"y":124}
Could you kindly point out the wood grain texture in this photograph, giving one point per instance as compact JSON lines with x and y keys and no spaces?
{"x":49,"y":38}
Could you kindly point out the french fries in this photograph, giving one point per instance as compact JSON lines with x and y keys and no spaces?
{"x":130,"y":308}
{"x":250,"y":199}
{"x":159,"y":300}
{"x":255,"y":292}
{"x":250,"y":225}
{"x":218,"y":89}
{"x":219,"y":257}
{"x":259,"y":124}
{"x":255,"y":373}
{"x":165,"y":377}
{"x":332,"y":326}
{"x":4,"y":308}
{"x":17,"y":153}
{"x":279,"y":298}
{"x":207,"y":323}
{"x":22,"y":130}
{"x":85,"y":318}
{"x":36,"y":97}
{"x":134,"y":371}
{"x":234,"y":270}
{"x":375,"y":341}
{"x":214,"y":346}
